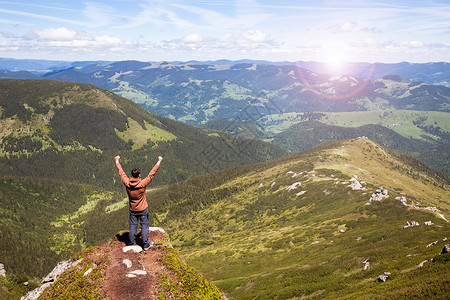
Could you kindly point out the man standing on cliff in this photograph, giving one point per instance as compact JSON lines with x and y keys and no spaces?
{"x":137,"y":201}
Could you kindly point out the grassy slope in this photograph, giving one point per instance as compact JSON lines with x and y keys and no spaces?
{"x":400,"y":121}
{"x":254,"y":238}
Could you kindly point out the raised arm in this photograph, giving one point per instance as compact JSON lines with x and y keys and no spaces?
{"x":122,"y":174}
{"x":152,"y":173}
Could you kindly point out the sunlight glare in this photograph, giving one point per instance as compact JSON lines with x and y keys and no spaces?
{"x":335,"y":60}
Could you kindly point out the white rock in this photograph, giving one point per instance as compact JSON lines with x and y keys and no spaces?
{"x":156,"y":229}
{"x":432,"y":244}
{"x":134,"y":248}
{"x":293,"y":186}
{"x":138,"y":272}
{"x":49,"y":279}
{"x":2,"y":270}
{"x":422,"y":263}
{"x":128,"y":263}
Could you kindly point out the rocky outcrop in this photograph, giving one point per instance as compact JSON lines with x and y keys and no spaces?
{"x":425,"y":262}
{"x":293,"y":186}
{"x":355,"y":184}
{"x":2,"y":270}
{"x":432,"y":244}
{"x":379,"y":195}
{"x":367,"y":264}
{"x":383,"y":277}
{"x":50,"y":278}
{"x":446,"y":249}
{"x":413,"y":223}
{"x":402,"y":200}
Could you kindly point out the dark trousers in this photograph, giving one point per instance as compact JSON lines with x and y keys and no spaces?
{"x":135,"y":217}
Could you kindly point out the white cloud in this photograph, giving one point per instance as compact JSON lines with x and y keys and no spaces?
{"x":107,"y":40}
{"x":371,"y":42}
{"x":344,"y":27}
{"x":7,"y":34}
{"x":193,"y":38}
{"x":416,"y":44}
{"x":58,"y":34}
{"x":254,"y":36}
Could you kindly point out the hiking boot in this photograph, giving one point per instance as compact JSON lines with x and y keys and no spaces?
{"x":149,"y":246}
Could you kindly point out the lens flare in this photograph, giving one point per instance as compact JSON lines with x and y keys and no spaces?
{"x":358,"y":88}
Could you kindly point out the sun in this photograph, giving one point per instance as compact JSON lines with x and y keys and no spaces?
{"x":335,"y":60}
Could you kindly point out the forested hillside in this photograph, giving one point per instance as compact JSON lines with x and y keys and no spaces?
{"x":60,"y":191}
{"x":72,"y":131}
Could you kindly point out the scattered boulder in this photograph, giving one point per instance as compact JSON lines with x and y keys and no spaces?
{"x":293,"y":186}
{"x":428,"y":223}
{"x":413,"y":223}
{"x":300,"y":193}
{"x":327,"y":192}
{"x":425,"y":262}
{"x":2,"y":270}
{"x":379,"y":195}
{"x":432,"y":244}
{"x":383,"y":277}
{"x":355,"y":184}
{"x":402,"y":200}
{"x":446,"y":249}
{"x":367,"y":264}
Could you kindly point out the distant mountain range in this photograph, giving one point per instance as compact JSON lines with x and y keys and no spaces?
{"x":433,"y":73}
{"x":197,"y":93}
{"x":256,"y":92}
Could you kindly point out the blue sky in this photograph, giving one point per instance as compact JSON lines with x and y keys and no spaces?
{"x":276,"y":30}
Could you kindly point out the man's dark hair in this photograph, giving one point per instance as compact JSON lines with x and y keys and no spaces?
{"x":135,"y":172}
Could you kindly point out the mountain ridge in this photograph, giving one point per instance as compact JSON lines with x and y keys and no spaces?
{"x":113,"y":270}
{"x":300,"y":224}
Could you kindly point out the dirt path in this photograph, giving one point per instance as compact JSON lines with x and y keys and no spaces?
{"x":132,"y":275}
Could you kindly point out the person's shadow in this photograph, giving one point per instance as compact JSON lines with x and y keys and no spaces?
{"x":123,"y":237}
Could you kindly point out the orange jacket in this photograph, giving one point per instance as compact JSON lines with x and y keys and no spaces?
{"x":136,"y":188}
